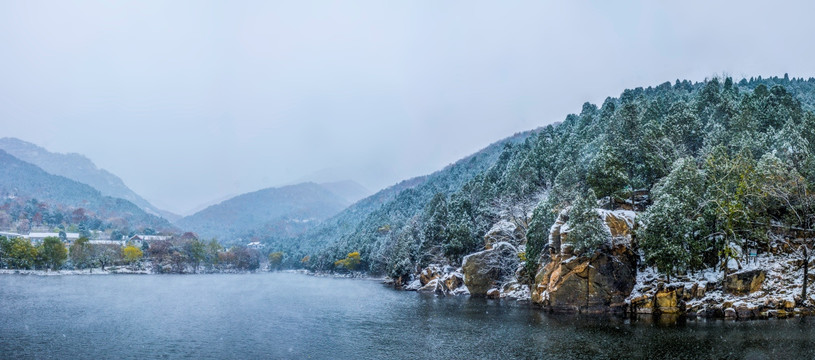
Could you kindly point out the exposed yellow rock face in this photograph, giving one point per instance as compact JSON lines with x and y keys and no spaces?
{"x":618,"y":225}
{"x":585,"y":284}
{"x":429,"y":273}
{"x":643,"y":304}
{"x":745,"y":282}
{"x":598,"y":282}
{"x":487,"y":269}
{"x":454,"y":281}
{"x":667,"y":302}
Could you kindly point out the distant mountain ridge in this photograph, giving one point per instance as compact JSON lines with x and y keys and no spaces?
{"x":366,"y":224}
{"x":349,"y":190}
{"x":22,"y":181}
{"x":81,"y":169}
{"x":287,"y":211}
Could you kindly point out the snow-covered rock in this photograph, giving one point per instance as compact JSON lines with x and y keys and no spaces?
{"x":502,"y":231}
{"x":429,"y":273}
{"x":489,"y":269}
{"x":595,"y":282}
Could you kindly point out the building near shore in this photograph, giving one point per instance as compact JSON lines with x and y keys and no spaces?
{"x":12,"y":235}
{"x":140,"y":240}
{"x":40,"y":236}
{"x":106,"y":242}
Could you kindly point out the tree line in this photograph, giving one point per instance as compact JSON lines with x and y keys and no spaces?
{"x":166,"y":256}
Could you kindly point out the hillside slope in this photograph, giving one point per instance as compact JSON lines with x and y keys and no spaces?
{"x":283,"y":211}
{"x":365,"y":225}
{"x":23,"y":183}
{"x":79,"y":168}
{"x":618,"y":153}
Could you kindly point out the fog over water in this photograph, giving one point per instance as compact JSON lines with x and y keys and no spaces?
{"x":293,"y":316}
{"x":190,"y":101}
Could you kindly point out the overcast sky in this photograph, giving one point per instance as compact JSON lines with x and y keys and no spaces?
{"x":189,"y":101}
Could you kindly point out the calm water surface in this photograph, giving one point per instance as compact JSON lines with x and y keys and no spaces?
{"x":292,"y":316}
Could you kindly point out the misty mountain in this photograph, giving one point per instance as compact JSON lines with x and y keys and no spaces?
{"x":283,"y":211}
{"x":349,"y":190}
{"x":79,"y":168}
{"x":29,"y":193}
{"x":380,"y":215}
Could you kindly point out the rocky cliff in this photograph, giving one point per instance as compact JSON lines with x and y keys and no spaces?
{"x":594,"y":282}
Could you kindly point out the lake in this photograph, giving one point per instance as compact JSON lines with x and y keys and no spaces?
{"x":295,"y":316}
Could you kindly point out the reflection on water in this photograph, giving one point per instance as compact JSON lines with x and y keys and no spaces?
{"x":295,"y":316}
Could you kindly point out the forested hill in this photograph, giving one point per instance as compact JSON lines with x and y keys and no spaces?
{"x":367,"y":223}
{"x":29,"y":196}
{"x":285,"y":211}
{"x":79,"y":168}
{"x":729,"y":138}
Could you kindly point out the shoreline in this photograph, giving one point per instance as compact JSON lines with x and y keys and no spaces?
{"x":351,"y":275}
{"x":115,"y":271}
{"x":96,"y":271}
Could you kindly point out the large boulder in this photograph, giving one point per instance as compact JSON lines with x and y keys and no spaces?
{"x":431,"y":272}
{"x":745,"y":282}
{"x":453,"y":281}
{"x":487,"y":269}
{"x":597,"y":282}
{"x":669,"y":300}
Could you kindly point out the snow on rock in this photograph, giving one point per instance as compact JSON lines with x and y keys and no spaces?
{"x":413,"y":285}
{"x":486,"y":269}
{"x":620,"y":223}
{"x":429,"y":273}
{"x":431,"y":286}
{"x":766,"y":286}
{"x":502,"y":231}
{"x":515,"y":291}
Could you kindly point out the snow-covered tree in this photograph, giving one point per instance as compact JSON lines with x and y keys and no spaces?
{"x":607,"y":173}
{"x":670,"y":236}
{"x":587,"y":231}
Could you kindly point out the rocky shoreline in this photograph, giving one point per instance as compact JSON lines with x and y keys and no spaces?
{"x":768,"y":288}
{"x":612,"y":281}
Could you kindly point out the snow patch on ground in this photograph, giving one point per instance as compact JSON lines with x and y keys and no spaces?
{"x":783,"y":283}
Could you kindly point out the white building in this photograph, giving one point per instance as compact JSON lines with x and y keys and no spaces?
{"x":11,"y":235}
{"x":40,"y":236}
{"x":139,"y":240}
{"x":105,"y":242}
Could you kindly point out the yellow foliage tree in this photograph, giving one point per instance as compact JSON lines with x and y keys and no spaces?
{"x":132,"y":254}
{"x":275,"y":259}
{"x":351,"y":262}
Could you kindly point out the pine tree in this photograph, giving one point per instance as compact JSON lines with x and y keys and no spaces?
{"x":537,"y":237}
{"x":733,"y":190}
{"x":434,"y":229}
{"x":670,"y":235}
{"x":607,"y":173}
{"x":587,"y":231}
